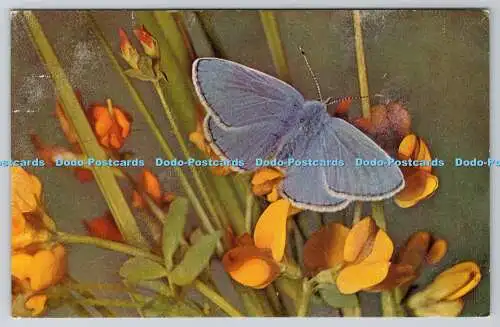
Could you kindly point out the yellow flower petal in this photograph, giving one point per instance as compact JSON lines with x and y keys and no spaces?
{"x":357,"y":238}
{"x":382,"y":248}
{"x":407,"y":146}
{"x":26,"y":190}
{"x":274,"y":195}
{"x":43,"y":270}
{"x":437,"y":252}
{"x":270,"y":230}
{"x":440,"y":309}
{"x":325,"y":248}
{"x":457,"y":272}
{"x":265,"y":174}
{"x":20,"y":265}
{"x":36,"y":304}
{"x":419,"y":186}
{"x":424,"y":154}
{"x":354,"y":278}
{"x":251,"y":266}
{"x":398,"y":275}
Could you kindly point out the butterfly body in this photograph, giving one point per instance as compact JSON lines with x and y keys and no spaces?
{"x":252,"y":115}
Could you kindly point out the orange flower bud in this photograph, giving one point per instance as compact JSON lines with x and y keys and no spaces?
{"x":148,"y":42}
{"x":129,"y":53}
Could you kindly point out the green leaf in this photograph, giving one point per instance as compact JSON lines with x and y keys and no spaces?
{"x":332,"y":296}
{"x":195,"y":260}
{"x":137,"y":269}
{"x":173,"y":229}
{"x":163,"y":306}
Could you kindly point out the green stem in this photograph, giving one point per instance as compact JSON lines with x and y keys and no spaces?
{"x":358,"y":211}
{"x":272,"y":295}
{"x":360,"y":59}
{"x":217,"y":299}
{"x":304,"y":299}
{"x":270,"y":25}
{"x":248,"y":212}
{"x":378,"y":214}
{"x":71,"y":105}
{"x":105,"y":244}
{"x":110,"y":303}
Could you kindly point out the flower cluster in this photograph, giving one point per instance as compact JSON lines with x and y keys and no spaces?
{"x":37,"y":262}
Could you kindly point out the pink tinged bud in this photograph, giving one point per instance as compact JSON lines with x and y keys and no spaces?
{"x":148,"y":42}
{"x":129,"y":53}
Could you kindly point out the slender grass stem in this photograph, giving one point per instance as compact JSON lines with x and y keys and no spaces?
{"x":358,"y":211}
{"x":105,"y":244}
{"x":360,"y":59}
{"x":271,"y":29}
{"x":248,"y":212}
{"x":304,"y":299}
{"x":213,"y":296}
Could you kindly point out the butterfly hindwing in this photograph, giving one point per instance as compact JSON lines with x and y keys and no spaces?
{"x":357,"y":182}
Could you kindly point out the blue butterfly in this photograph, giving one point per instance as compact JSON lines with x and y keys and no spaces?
{"x":253,"y":115}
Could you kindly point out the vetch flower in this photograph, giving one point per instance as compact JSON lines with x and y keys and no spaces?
{"x":354,"y":259}
{"x":103,"y":227}
{"x":27,"y":223}
{"x":443,"y":297}
{"x":111,"y":125}
{"x":129,"y":53}
{"x":42,"y":269}
{"x":148,"y":42}
{"x":149,"y":183}
{"x":255,"y":263}
{"x":265,"y":182}
{"x":420,"y":183}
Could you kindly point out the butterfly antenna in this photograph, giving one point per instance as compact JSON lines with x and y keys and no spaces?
{"x":315,"y":79}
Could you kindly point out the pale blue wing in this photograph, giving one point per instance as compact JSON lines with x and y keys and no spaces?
{"x":305,"y":186}
{"x":238,"y":96}
{"x":258,"y":140}
{"x":341,"y":140}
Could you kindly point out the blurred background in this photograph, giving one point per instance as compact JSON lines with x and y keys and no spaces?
{"x":437,"y":61}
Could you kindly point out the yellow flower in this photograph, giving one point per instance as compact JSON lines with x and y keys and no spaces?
{"x":359,"y":257}
{"x":443,"y":297}
{"x":255,"y":263}
{"x":420,"y":183}
{"x":265,"y":181}
{"x":35,"y":263}
{"x":42,"y":269}
{"x":26,"y":191}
